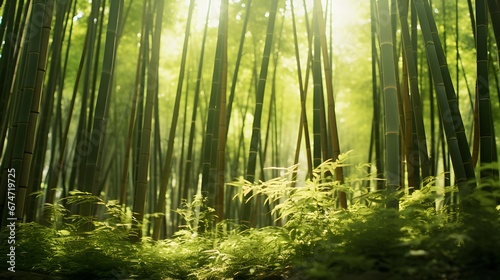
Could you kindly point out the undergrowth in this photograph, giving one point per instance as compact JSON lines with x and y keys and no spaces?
{"x":317,"y":240}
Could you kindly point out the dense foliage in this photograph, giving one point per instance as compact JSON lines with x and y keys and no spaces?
{"x":317,"y":241}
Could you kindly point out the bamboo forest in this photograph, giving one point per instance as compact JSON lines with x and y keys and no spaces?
{"x":249,"y":139}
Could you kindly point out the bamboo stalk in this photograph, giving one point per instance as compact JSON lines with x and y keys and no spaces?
{"x":256,"y":127}
{"x":332,"y":119}
{"x":391,"y":109}
{"x":166,"y":170}
{"x":443,"y":102}
{"x":189,"y":158}
{"x":303,"y":110}
{"x":452,"y":98}
{"x":488,"y":152}
{"x":414,"y":89}
{"x":141,"y":183}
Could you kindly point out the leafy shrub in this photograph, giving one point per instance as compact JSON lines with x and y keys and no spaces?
{"x":317,"y":241}
{"x":34,"y":246}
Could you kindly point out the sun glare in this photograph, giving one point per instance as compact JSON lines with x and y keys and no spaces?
{"x":200,"y":13}
{"x":344,"y":12}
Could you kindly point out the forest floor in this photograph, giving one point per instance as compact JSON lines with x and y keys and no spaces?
{"x":317,"y":241}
